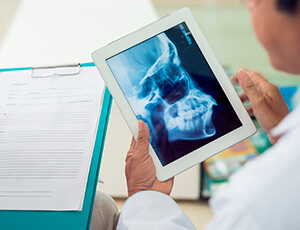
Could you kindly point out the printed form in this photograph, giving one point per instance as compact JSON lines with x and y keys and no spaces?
{"x":48,"y":128}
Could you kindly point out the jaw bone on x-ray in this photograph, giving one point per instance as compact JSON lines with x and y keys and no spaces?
{"x":165,"y":96}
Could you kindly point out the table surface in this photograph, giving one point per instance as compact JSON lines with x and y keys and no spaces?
{"x":55,"y":32}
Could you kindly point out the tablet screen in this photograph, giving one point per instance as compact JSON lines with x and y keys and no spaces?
{"x":169,"y":84}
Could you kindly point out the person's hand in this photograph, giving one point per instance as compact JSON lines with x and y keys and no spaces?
{"x":140,"y":170}
{"x":267,"y":103}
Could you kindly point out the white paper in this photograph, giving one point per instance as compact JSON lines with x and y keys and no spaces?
{"x":47,"y":133}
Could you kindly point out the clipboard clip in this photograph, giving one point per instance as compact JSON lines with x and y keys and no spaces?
{"x":56,"y":70}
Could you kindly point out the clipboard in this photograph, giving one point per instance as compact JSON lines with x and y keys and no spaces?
{"x":16,"y":219}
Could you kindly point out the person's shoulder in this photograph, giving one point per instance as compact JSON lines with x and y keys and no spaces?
{"x":266,"y":188}
{"x":288,"y":145}
{"x":290,"y":124}
{"x":262,"y":174}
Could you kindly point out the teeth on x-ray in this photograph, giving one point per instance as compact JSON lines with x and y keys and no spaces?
{"x":169,"y":92}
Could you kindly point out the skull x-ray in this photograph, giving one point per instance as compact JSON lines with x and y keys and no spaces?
{"x":170,"y":86}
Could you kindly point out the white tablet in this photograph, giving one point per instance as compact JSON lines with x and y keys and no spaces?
{"x":167,"y":75}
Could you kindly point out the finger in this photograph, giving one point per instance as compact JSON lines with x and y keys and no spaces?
{"x":132,"y":145}
{"x":249,"y":87}
{"x":142,"y":145}
{"x":234,"y":79}
{"x":256,"y":77}
{"x":128,"y":156}
{"x":131,"y":148}
{"x":250,"y":111}
{"x":244,"y":97}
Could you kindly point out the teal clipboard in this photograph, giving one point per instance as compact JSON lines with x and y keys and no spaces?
{"x":10,"y":220}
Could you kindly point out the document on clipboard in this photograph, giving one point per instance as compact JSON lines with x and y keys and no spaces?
{"x":48,"y":124}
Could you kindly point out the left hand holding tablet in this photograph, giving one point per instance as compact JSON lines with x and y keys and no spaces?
{"x":140,"y":170}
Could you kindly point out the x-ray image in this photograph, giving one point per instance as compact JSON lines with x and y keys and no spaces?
{"x":170,"y":86}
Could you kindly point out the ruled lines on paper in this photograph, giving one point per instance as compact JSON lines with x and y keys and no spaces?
{"x":40,"y":164}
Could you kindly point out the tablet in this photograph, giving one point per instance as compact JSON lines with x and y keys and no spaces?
{"x":167,"y":75}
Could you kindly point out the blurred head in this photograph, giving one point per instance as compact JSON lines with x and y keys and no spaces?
{"x":277,"y":26}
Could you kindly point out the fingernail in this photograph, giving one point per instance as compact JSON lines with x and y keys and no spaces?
{"x":140,"y":125}
{"x":243,"y":76}
{"x":238,"y":69}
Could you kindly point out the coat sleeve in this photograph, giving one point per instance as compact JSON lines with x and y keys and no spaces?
{"x":152,"y":210}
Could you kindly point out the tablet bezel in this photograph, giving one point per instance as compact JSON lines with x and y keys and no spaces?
{"x":184,"y":15}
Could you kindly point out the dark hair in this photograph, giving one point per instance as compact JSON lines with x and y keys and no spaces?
{"x":289,"y":6}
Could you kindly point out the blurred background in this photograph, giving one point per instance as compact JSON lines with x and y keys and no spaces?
{"x":52,"y":32}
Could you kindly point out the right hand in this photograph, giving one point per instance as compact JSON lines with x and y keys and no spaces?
{"x":267,"y":103}
{"x":140,"y":170}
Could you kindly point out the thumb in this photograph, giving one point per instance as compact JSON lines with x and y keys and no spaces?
{"x":142,"y":144}
{"x":247,"y":84}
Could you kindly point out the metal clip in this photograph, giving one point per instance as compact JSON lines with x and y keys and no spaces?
{"x":75,"y":72}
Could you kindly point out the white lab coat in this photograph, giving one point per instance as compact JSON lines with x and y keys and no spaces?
{"x":264,"y":194}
